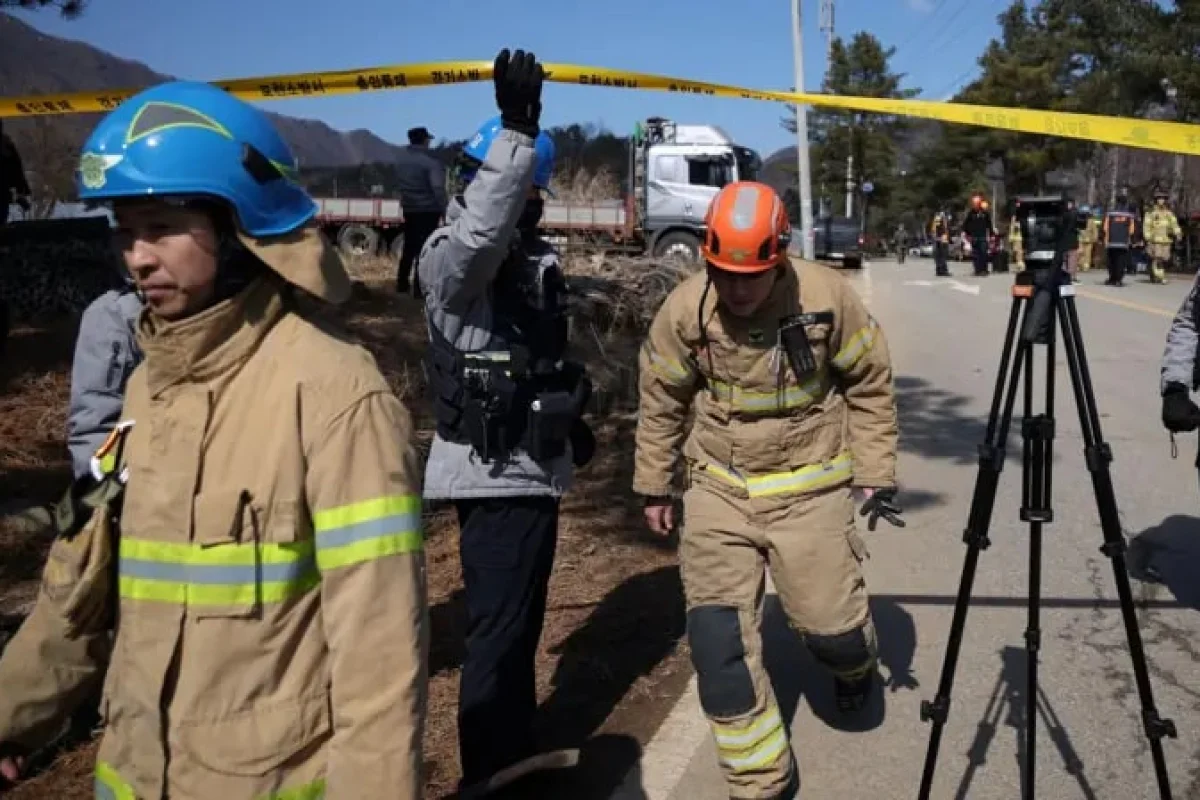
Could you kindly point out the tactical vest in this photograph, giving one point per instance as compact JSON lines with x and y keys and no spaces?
{"x":1120,"y":230}
{"x":518,"y":391}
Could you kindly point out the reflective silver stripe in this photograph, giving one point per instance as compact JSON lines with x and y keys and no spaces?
{"x":862,"y":341}
{"x":216,"y":574}
{"x":739,"y":738}
{"x":369,"y":529}
{"x":762,"y":756}
{"x":745,"y":201}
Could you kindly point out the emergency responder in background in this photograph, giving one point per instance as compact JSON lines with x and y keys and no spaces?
{"x":1088,"y":237}
{"x":1120,"y":227}
{"x":939,"y":229}
{"x":977,"y":226}
{"x":509,"y":411}
{"x":270,"y":634}
{"x":422,"y":178}
{"x":1069,"y":240}
{"x":1016,"y":244}
{"x":1161,"y":229}
{"x":13,"y":185}
{"x":790,"y":381}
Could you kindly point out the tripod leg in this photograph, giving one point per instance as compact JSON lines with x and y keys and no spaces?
{"x":1098,"y":456}
{"x":991,"y":462}
{"x":1038,"y":433}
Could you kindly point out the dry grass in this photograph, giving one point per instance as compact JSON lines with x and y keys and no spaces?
{"x":582,"y":186}
{"x":609,"y":665}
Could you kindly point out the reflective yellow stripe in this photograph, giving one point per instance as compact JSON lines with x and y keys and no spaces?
{"x":758,"y":744}
{"x":856,"y":347}
{"x":788,"y":399}
{"x":371,"y":529}
{"x":225,"y":574}
{"x":109,"y":786}
{"x":309,"y":791}
{"x":673,"y":371}
{"x":815,"y":476}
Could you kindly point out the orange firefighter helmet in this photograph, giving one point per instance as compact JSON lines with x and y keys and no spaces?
{"x":746,"y":228}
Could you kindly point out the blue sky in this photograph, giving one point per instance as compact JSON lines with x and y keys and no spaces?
{"x":746,"y":43}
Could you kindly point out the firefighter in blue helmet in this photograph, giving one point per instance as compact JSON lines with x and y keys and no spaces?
{"x":508,"y":405}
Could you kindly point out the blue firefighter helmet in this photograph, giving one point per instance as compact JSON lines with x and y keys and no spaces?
{"x":476,"y":151}
{"x":188,"y":139}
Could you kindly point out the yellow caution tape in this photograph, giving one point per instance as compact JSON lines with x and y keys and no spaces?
{"x":1174,"y":137}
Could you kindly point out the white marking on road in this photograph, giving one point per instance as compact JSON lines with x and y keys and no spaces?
{"x":918,"y":283}
{"x":965,"y":287}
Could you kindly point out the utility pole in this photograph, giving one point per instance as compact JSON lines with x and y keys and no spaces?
{"x":802,"y":160}
{"x":827,"y":29}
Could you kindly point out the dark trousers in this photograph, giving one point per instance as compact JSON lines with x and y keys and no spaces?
{"x":941,"y":252}
{"x":1118,"y":263}
{"x":418,"y":225}
{"x":507,"y":549}
{"x":979,"y":254}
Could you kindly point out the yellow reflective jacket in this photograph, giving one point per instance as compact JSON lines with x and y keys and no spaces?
{"x":757,"y":430}
{"x":271,"y":635}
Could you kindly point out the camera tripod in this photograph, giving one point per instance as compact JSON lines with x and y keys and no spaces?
{"x":1043,"y":295}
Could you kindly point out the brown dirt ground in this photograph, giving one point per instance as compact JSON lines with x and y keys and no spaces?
{"x":611,"y":660}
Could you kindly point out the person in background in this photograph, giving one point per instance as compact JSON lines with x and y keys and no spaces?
{"x":1120,"y":230}
{"x":13,"y":185}
{"x":1161,"y":229}
{"x":1088,"y":237}
{"x":106,"y":353}
{"x":1069,"y":241}
{"x":977,"y":227}
{"x":940,"y":230}
{"x":423,"y":198}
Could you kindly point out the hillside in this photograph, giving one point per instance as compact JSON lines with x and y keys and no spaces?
{"x":33,"y":63}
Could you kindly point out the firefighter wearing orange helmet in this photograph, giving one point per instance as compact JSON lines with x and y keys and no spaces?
{"x":790,"y":382}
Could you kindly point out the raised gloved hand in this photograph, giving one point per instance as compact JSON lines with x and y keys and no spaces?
{"x":880,"y":504}
{"x":518,"y":81}
{"x":1179,"y":413}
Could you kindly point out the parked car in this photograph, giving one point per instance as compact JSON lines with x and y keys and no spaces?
{"x":838,"y":239}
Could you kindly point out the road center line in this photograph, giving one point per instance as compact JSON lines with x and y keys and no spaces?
{"x":1162,"y":312}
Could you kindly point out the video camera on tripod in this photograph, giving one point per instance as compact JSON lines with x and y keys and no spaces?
{"x":1042,"y":220}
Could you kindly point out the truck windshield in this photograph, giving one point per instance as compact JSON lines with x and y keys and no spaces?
{"x":748,"y":163}
{"x":709,"y":171}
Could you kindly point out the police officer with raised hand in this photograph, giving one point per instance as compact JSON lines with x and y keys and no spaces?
{"x":508,"y":407}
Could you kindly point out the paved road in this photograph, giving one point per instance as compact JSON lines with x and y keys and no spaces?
{"x":946,"y":338}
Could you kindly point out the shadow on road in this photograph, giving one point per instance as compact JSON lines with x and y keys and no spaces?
{"x":642,"y":619}
{"x":1007,"y":704}
{"x":934,"y":424}
{"x":795,"y":673}
{"x":1169,"y":554}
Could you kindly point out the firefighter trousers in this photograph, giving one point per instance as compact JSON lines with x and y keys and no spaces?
{"x":814,"y":553}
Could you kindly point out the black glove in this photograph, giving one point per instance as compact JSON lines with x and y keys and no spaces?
{"x":1179,"y":413}
{"x":23,"y":202}
{"x":519,"y":91}
{"x":879,"y":505}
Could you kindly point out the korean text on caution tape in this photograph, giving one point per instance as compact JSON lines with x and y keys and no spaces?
{"x":1152,"y":135}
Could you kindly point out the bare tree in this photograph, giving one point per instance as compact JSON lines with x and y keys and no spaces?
{"x":68,"y":8}
{"x":50,"y":160}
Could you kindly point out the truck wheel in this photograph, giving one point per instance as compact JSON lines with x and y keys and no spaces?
{"x":853,"y":262}
{"x":358,"y":241}
{"x":396,"y":248}
{"x":678,"y":244}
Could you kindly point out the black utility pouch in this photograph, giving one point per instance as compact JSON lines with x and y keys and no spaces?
{"x":794,"y":341}
{"x":550,"y":418}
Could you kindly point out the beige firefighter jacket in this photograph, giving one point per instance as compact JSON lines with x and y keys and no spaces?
{"x":757,"y":430}
{"x":1160,"y":226}
{"x":271,"y":636}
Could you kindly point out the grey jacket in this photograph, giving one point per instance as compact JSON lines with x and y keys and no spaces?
{"x":105,"y":354}
{"x":1179,"y":356}
{"x":422,"y":181}
{"x":457,"y":266}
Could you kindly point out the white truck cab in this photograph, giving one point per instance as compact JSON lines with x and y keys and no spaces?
{"x":677,"y":170}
